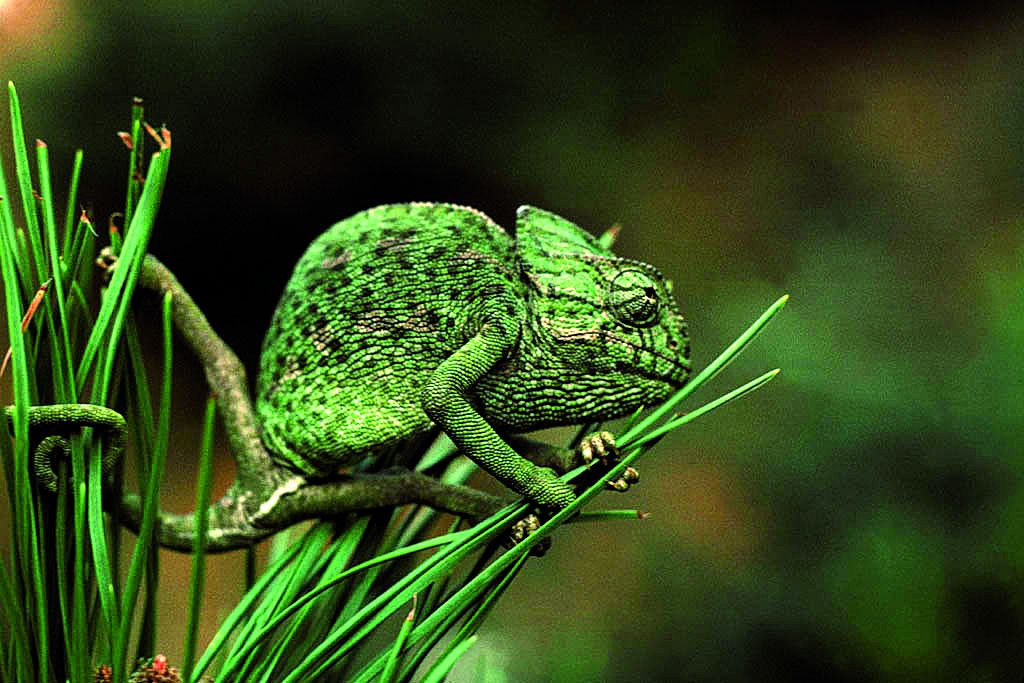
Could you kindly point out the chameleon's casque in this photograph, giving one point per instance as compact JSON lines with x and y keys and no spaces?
{"x":379,"y":301}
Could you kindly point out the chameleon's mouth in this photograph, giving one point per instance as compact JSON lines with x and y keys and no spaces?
{"x":679,"y":370}
{"x":647,"y":362}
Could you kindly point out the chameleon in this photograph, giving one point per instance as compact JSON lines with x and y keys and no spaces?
{"x":408,"y":316}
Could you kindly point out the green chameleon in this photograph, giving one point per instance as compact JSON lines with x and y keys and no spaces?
{"x":406,"y":316}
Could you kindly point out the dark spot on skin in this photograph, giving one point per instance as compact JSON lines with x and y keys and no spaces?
{"x":389,"y":279}
{"x":431,"y":318}
{"x":437,"y":253}
{"x":510,"y":309}
{"x":343,"y":281}
{"x":406,"y":234}
{"x":491,"y":291}
{"x":380,"y":251}
{"x":367,"y":293}
{"x":368,"y":269}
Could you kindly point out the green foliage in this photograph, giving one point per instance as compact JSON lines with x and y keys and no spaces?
{"x":51,"y":589}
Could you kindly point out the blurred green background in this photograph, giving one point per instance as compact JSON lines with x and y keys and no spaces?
{"x":857,"y":520}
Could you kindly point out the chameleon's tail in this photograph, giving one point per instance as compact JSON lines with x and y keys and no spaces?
{"x":51,"y":425}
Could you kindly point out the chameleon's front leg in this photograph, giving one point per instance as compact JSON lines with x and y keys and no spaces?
{"x":50,"y":425}
{"x":445,"y":401}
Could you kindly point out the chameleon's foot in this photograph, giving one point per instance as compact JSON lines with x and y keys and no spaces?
{"x":523,"y":528}
{"x":600,"y":449}
{"x":106,"y":261}
{"x":629,"y":477}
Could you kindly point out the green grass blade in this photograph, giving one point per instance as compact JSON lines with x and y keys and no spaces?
{"x":14,"y":620}
{"x":98,"y":540}
{"x":391,"y":664}
{"x":71,"y":213}
{"x":739,"y":392}
{"x":134,"y":161}
{"x":122,"y":283}
{"x":268,"y":629}
{"x":203,"y":494}
{"x":151,"y":502}
{"x":79,"y":502}
{"x":346,"y":636}
{"x":242,"y":610}
{"x":61,"y":350}
{"x":24,"y":175}
{"x":29,"y":577}
{"x":469,"y":629}
{"x":444,"y":665}
{"x":61,"y":537}
{"x":607,"y":515}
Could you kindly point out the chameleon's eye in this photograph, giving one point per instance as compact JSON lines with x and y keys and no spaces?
{"x":633,"y":298}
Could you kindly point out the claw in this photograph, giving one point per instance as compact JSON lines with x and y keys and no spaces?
{"x":598,"y":446}
{"x":586,"y":454}
{"x":523,"y":528}
{"x":620,"y":485}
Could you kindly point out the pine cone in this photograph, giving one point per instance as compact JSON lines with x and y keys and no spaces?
{"x":155,"y":670}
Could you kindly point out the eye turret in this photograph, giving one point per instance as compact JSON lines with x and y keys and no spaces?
{"x":633,"y":298}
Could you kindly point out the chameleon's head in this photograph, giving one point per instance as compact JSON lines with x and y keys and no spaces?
{"x":609,"y":325}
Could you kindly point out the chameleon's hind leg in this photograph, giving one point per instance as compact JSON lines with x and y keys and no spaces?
{"x":51,"y":425}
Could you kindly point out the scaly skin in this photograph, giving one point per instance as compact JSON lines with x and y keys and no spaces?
{"x":49,"y":426}
{"x":409,"y":315}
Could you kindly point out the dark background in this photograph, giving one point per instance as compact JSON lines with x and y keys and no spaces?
{"x":860,"y":518}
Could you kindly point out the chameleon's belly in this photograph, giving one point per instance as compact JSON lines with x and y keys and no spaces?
{"x":317,"y":430}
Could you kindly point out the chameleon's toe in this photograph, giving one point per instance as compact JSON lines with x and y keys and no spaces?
{"x":523,"y":528}
{"x":629,"y":477}
{"x":106,"y":261}
{"x":598,"y":446}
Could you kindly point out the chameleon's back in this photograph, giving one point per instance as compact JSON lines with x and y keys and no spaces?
{"x":374,"y":305}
